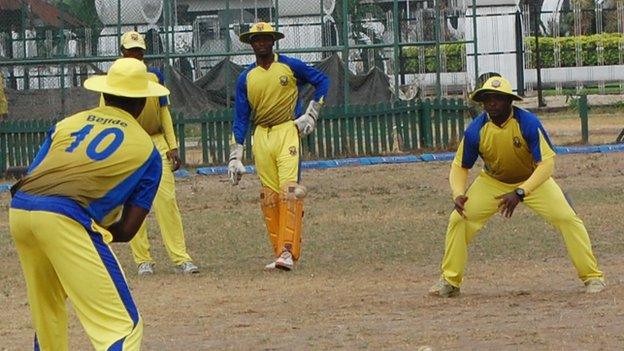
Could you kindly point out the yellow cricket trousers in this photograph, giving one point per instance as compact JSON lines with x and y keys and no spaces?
{"x":276,"y":152}
{"x":61,"y":259}
{"x":167,"y":213}
{"x":547,"y":200}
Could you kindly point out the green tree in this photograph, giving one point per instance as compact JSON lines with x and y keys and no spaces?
{"x":84,"y":11}
{"x":359,"y":12}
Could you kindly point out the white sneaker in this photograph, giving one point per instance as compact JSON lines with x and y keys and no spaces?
{"x":595,"y":285}
{"x":146,"y":268}
{"x":285,"y":261}
{"x":270,"y":266}
{"x":443,"y":289}
{"x":187,"y":268}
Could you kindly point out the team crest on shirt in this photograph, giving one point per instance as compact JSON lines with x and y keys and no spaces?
{"x":283,"y":80}
{"x":292,"y":150}
{"x":517,"y":143}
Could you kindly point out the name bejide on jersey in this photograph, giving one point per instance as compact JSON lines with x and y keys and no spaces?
{"x":105,"y":121}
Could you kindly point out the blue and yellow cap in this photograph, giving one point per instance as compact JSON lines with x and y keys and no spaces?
{"x":498,"y":85}
{"x":260,"y":28}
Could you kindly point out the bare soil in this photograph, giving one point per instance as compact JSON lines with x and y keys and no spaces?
{"x":373,"y":241}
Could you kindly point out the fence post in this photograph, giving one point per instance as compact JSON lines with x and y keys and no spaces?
{"x":583,"y":112}
{"x":519,"y":54}
{"x":204,"y":139}
{"x":425,"y":126}
{"x":2,"y":151}
{"x":181,"y":137}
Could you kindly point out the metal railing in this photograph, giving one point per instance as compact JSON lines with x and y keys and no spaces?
{"x":362,"y":131}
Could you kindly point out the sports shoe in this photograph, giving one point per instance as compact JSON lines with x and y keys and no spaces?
{"x":595,"y":285}
{"x":285,"y":261}
{"x":146,"y":268}
{"x":270,"y":266}
{"x":187,"y":268}
{"x":443,"y":289}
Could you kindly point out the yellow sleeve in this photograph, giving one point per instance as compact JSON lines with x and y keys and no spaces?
{"x":542,"y":172}
{"x":459,"y":154}
{"x":458,"y":178}
{"x":167,"y":127}
{"x":102,"y":103}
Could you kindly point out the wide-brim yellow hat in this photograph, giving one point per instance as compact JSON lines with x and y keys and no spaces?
{"x":126,"y":77}
{"x":132,"y":39}
{"x":260,"y":28}
{"x":498,"y":85}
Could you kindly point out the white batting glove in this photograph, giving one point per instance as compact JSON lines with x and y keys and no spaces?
{"x":235,"y":166}
{"x":307,"y":122}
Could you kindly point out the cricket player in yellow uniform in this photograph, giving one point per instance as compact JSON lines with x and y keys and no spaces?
{"x":92,"y":182}
{"x":518,"y":166}
{"x":267,"y":94}
{"x":156,"y":120}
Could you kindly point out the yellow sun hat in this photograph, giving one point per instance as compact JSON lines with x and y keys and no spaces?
{"x":260,"y":28}
{"x":498,"y":85}
{"x":126,"y":77}
{"x":132,"y":39}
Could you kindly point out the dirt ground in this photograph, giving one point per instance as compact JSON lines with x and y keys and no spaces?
{"x":372,"y":245}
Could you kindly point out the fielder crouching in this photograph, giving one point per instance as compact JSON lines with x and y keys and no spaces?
{"x":518,"y":165}
{"x":268,"y":90}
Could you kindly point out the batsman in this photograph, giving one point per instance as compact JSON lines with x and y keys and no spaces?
{"x":267,"y":94}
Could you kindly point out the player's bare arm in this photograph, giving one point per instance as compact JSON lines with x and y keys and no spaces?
{"x":174,"y":156}
{"x":460,"y":202}
{"x":131,"y":219}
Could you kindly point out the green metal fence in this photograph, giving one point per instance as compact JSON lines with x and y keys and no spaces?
{"x":20,"y":141}
{"x":57,"y":46}
{"x":341,"y":132}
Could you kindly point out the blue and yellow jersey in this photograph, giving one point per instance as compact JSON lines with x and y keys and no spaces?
{"x":272,"y":95}
{"x":90,"y":165}
{"x":155,"y":117}
{"x":511,"y":152}
{"x":149,"y":118}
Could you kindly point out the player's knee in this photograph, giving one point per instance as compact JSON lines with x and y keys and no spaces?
{"x":565,"y":217}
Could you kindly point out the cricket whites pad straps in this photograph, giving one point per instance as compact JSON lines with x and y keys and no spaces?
{"x":291,"y":218}
{"x":269,"y":203}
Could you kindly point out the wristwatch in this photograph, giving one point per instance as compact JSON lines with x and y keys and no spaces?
{"x":520,"y":193}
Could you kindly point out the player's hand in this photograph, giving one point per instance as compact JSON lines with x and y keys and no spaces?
{"x":307,"y":122}
{"x":508,"y":203}
{"x":236,"y":169}
{"x":460,"y":202}
{"x":174,"y":157}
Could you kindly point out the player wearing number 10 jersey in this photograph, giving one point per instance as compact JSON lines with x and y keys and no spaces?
{"x":92,"y":182}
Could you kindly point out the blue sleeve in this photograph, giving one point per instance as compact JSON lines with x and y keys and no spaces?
{"x":308,"y":74}
{"x":530,"y":127}
{"x":242,"y":110}
{"x":163,"y":100}
{"x":145,"y":190}
{"x":43,"y":150}
{"x":472,"y":137}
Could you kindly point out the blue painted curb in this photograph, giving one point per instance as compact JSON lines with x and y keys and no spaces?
{"x":181,"y":173}
{"x":366,"y":161}
{"x":589,"y":149}
{"x":444,"y":156}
